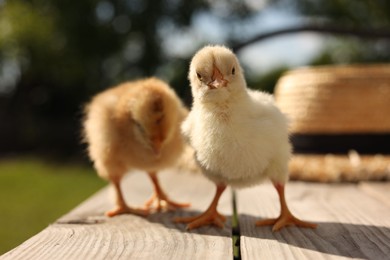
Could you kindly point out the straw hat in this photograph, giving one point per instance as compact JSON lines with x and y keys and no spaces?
{"x":340,"y":121}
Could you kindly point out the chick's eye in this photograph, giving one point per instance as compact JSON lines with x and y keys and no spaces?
{"x":198,"y":75}
{"x":233,"y":70}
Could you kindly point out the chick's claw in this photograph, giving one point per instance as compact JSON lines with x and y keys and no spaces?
{"x":286,"y":218}
{"x":127,"y":210}
{"x":284,"y":221}
{"x":163,"y":203}
{"x":160,"y":198}
{"x":207,"y":218}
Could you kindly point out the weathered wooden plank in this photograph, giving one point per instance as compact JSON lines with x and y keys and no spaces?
{"x":351,"y":223}
{"x":378,"y":190}
{"x":85,"y":233}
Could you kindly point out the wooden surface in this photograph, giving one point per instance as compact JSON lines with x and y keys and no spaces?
{"x":354,"y":222}
{"x":85,"y":233}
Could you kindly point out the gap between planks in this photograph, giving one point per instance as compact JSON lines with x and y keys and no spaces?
{"x":349,"y":224}
{"x":352,"y":224}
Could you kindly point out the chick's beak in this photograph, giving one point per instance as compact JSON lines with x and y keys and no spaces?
{"x":156,"y":146}
{"x":217,"y":80}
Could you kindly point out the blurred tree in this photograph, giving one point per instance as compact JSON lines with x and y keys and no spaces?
{"x":364,"y":20}
{"x":366,"y":13}
{"x":54,"y":55}
{"x":267,"y":81}
{"x":350,"y":14}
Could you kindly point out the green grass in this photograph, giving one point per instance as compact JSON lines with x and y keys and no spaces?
{"x":34,"y":193}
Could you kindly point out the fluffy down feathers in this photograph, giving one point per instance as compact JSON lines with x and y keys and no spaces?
{"x":134,"y":125}
{"x":239,"y":135}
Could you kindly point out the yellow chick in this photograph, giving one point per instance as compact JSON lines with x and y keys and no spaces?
{"x":135,"y":125}
{"x":239,"y":136}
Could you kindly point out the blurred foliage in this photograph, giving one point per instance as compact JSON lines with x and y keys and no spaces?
{"x":350,"y":14}
{"x":365,"y":13}
{"x":35,"y":193}
{"x":267,"y":81}
{"x":54,"y":55}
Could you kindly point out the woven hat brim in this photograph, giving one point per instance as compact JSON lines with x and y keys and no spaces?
{"x":339,"y":168}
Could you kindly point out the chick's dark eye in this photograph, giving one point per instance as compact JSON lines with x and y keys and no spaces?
{"x":233,"y":70}
{"x":198,"y":75}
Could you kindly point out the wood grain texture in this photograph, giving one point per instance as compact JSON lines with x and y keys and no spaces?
{"x":351,"y":224}
{"x":354,"y":222}
{"x":377,"y":190}
{"x":85,"y":233}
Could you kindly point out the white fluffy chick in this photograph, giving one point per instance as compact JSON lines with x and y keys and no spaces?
{"x":135,"y":125}
{"x":239,"y":136}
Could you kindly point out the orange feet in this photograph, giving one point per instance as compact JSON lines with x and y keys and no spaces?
{"x":160,"y":198}
{"x":127,"y":210}
{"x":209,"y":217}
{"x":283,"y":221}
{"x":121,"y":206}
{"x":162,"y":202}
{"x":286,"y":218}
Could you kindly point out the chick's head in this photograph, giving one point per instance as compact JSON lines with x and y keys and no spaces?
{"x":153,"y":118}
{"x":215,"y":74}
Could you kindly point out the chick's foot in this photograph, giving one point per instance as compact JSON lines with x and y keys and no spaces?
{"x":209,"y":217}
{"x":283,"y":221}
{"x":286,"y":218}
{"x":160,"y":198}
{"x":119,"y":210}
{"x":162,"y":202}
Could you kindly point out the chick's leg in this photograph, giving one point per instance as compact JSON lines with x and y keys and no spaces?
{"x":121,"y":206}
{"x":209,"y":217}
{"x":286,"y":218}
{"x":160,"y":198}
